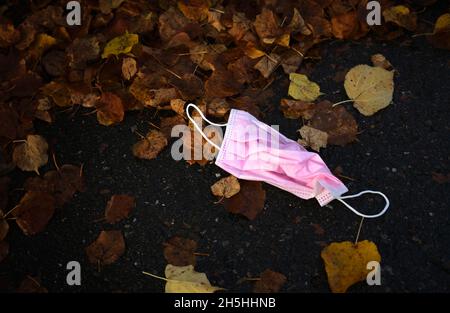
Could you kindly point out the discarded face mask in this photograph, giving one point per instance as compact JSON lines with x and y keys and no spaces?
{"x":253,"y":150}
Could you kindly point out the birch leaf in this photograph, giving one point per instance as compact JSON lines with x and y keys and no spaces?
{"x":301,"y":88}
{"x":121,"y":44}
{"x":370,"y":87}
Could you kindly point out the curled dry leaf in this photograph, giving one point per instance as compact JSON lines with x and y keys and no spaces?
{"x":110,"y":109}
{"x":107,"y":248}
{"x":149,"y":147}
{"x":346,"y":263}
{"x":121,"y":44}
{"x":348,"y":26}
{"x":313,"y":138}
{"x":267,"y":64}
{"x":301,"y":88}
{"x":337,"y":122}
{"x":226,"y":187}
{"x":440,"y":37}
{"x":31,"y":154}
{"x":59,"y":92}
{"x":129,"y":68}
{"x":249,"y":201}
{"x":379,"y":60}
{"x":118,"y":208}
{"x":4,"y":226}
{"x":217,"y":107}
{"x":177,"y":105}
{"x":61,"y":184}
{"x":371,"y":88}
{"x":179,"y":251}
{"x":31,"y":285}
{"x":402,"y":16}
{"x":296,"y":109}
{"x":34,"y":211}
{"x":184,"y":279}
{"x":270,"y":281}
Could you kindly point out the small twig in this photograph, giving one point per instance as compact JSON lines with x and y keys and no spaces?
{"x":201,"y":254}
{"x":54,"y":162}
{"x":156,"y":126}
{"x":301,"y":54}
{"x":90,"y":113}
{"x":19,"y":141}
{"x":10,"y":211}
{"x":359,"y":230}
{"x":346,"y":177}
{"x":217,"y":10}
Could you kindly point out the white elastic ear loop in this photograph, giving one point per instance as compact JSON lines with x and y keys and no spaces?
{"x":361,"y":193}
{"x":198,"y":127}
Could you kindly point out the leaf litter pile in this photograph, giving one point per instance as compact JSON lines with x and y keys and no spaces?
{"x":160,"y":55}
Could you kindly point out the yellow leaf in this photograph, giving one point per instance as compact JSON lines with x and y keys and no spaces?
{"x":370,"y":87}
{"x":283,"y":40}
{"x":442,"y":23}
{"x":43,"y":43}
{"x":252,"y":52}
{"x":346,"y":263}
{"x":184,"y":279}
{"x":120,"y":44}
{"x":402,"y":16}
{"x":301,"y":88}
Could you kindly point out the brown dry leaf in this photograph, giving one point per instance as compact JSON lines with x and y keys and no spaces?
{"x":196,"y":10}
{"x":440,"y":37}
{"x":55,"y":62}
{"x":129,"y":68}
{"x":226,"y":187}
{"x":61,"y":184}
{"x":298,"y":24}
{"x":34,"y":211}
{"x":379,"y":60}
{"x":8,"y":35}
{"x":177,"y":105}
{"x":118,"y":208}
{"x":4,"y":250}
{"x":189,"y":86}
{"x":107,"y":248}
{"x":438,"y":177}
{"x":42,"y":43}
{"x":31,"y":285}
{"x":290,"y":61}
{"x":170,"y":23}
{"x":240,"y":29}
{"x":346,"y":263}
{"x":4,"y":226}
{"x":168,"y":123}
{"x":337,"y":122}
{"x":270,"y":282}
{"x":106,"y":6}
{"x":82,"y":51}
{"x":179,"y":251}
{"x":149,"y":147}
{"x":59,"y":92}
{"x":31,"y":154}
{"x":267,"y":27}
{"x":267,"y":64}
{"x":402,"y":16}
{"x":348,"y":26}
{"x":295,"y":109}
{"x":371,"y":88}
{"x":217,"y":107}
{"x":313,"y":138}
{"x":221,"y":84}
{"x":110,"y":109}
{"x":249,"y":201}
{"x":150,"y":93}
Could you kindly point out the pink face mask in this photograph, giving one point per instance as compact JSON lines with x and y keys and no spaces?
{"x":253,"y":150}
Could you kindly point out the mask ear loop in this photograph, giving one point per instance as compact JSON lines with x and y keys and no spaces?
{"x":361,"y":193}
{"x":198,"y":127}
